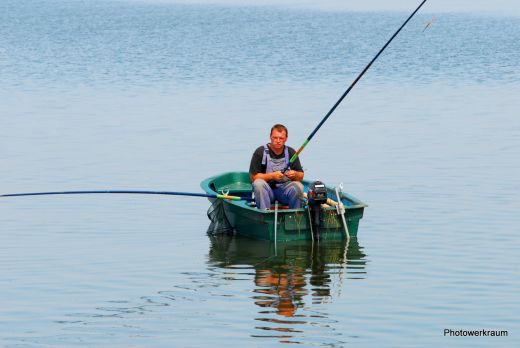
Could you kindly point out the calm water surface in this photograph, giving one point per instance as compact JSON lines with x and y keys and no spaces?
{"x":130,"y":95}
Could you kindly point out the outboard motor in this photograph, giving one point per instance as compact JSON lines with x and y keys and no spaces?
{"x":316,"y":197}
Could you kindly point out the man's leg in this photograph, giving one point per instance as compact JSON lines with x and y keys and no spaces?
{"x":263,"y":194}
{"x":290,"y":193}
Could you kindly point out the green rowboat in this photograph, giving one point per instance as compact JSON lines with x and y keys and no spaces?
{"x":291,"y":224}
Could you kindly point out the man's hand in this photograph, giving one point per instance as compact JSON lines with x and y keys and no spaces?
{"x":292,"y":174}
{"x":277,"y":176}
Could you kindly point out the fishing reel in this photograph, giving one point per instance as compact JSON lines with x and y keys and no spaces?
{"x":316,"y":196}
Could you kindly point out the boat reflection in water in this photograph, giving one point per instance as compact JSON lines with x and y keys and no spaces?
{"x":290,"y":279}
{"x":285,"y":289}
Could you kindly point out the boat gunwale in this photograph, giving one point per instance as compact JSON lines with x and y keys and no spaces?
{"x":205,"y":185}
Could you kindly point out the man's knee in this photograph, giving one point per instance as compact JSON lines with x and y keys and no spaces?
{"x":297,"y":187}
{"x":263,"y":194}
{"x":294,"y":194}
{"x":260,"y":184}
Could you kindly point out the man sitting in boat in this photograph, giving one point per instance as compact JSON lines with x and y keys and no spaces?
{"x":269,"y":183}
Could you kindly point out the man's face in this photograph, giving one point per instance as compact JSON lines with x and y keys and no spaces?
{"x":278,"y":139}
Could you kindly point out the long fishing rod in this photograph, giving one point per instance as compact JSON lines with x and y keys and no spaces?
{"x":295,"y":156}
{"x":169,"y":193}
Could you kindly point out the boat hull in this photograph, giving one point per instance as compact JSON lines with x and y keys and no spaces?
{"x":286,"y":224}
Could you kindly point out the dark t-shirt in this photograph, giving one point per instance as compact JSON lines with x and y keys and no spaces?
{"x":256,"y":161}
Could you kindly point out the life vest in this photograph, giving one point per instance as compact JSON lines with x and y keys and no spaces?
{"x":275,"y":164}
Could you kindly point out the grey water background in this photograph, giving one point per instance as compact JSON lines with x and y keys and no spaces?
{"x":159,"y":96}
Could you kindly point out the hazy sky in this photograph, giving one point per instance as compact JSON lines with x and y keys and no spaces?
{"x":505,"y":7}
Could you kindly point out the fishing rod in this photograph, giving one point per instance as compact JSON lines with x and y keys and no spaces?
{"x":295,"y":156}
{"x":169,"y":193}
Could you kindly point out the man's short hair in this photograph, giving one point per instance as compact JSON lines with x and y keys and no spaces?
{"x":279,"y":128}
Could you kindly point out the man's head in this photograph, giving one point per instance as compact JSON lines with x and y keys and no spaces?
{"x":278,"y":137}
{"x":280,"y":128}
